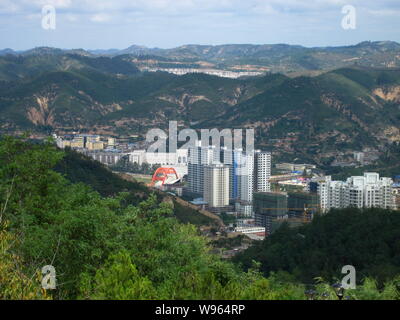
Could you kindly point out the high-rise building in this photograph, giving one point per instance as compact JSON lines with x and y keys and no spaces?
{"x":199,"y":157}
{"x":263,"y":171}
{"x":216,"y":185}
{"x":252,"y":171}
{"x":246,"y":170}
{"x":229,"y":159}
{"x":365,"y":191}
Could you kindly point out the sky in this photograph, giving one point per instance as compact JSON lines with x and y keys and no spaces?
{"x":105,"y":24}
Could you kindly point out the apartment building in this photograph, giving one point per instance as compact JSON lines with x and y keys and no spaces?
{"x":199,"y":157}
{"x":216,"y":185}
{"x":263,"y":171}
{"x":248,"y":172}
{"x":367,"y":191}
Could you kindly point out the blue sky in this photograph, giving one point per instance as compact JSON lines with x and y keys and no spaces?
{"x":103,"y":24}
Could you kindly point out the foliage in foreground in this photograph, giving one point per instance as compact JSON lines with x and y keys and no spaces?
{"x":107,"y":248}
{"x":366,"y":239}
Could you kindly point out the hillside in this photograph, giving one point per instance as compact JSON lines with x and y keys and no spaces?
{"x":315,"y":118}
{"x":283,"y":58}
{"x":367,"y":239}
{"x":105,"y":249}
{"x":311,"y":118}
{"x":73,"y":99}
{"x":78,"y":168}
{"x":36,"y":62}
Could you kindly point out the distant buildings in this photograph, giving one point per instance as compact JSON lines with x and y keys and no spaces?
{"x":177,"y":160}
{"x":290,"y":167}
{"x":271,"y":209}
{"x":365,"y":191}
{"x":198,"y":158}
{"x":301,"y":202}
{"x":214,"y":72}
{"x":81,"y":141}
{"x":359,"y":157}
{"x":247,"y":172}
{"x":109,"y":151}
{"x":216,"y":185}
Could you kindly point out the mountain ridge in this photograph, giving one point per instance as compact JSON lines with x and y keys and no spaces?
{"x":283,"y":58}
{"x":317,"y":117}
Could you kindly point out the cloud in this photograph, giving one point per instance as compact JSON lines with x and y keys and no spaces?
{"x":101,"y":17}
{"x":385,"y":12}
{"x":173,"y":22}
{"x":192,"y":7}
{"x":71,"y":17}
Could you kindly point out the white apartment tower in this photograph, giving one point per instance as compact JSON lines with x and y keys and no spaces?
{"x":216,"y":185}
{"x":198,"y":158}
{"x":263,"y":171}
{"x":246,"y":177}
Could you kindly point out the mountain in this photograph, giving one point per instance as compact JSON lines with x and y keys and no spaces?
{"x":288,"y":59}
{"x":314,"y":118}
{"x":282,"y":58}
{"x":7,"y":51}
{"x":30,"y":65}
{"x":345,"y":109}
{"x":78,"y":98}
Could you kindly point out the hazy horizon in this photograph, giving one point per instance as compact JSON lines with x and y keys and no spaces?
{"x":196,"y":44}
{"x":98,"y":24}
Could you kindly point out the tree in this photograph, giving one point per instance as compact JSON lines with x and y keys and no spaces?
{"x":14,"y":283}
{"x":118,"y":279}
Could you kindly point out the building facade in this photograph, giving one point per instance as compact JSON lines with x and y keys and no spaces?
{"x":270,"y":210}
{"x":263,"y":171}
{"x":198,"y":158}
{"x":368,"y":191}
{"x":216,"y":185}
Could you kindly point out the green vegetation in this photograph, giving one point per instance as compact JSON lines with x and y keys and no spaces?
{"x":123,"y":165}
{"x":366,"y":239}
{"x":229,"y":243}
{"x":77,"y":167}
{"x":188,"y":215}
{"x":312,"y":118}
{"x":387,"y":166}
{"x":290,"y":59}
{"x":103,"y":247}
{"x":107,"y":248}
{"x":228,"y":218}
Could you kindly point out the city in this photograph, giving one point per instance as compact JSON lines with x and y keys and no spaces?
{"x":240,"y":183}
{"x":191,"y":158}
